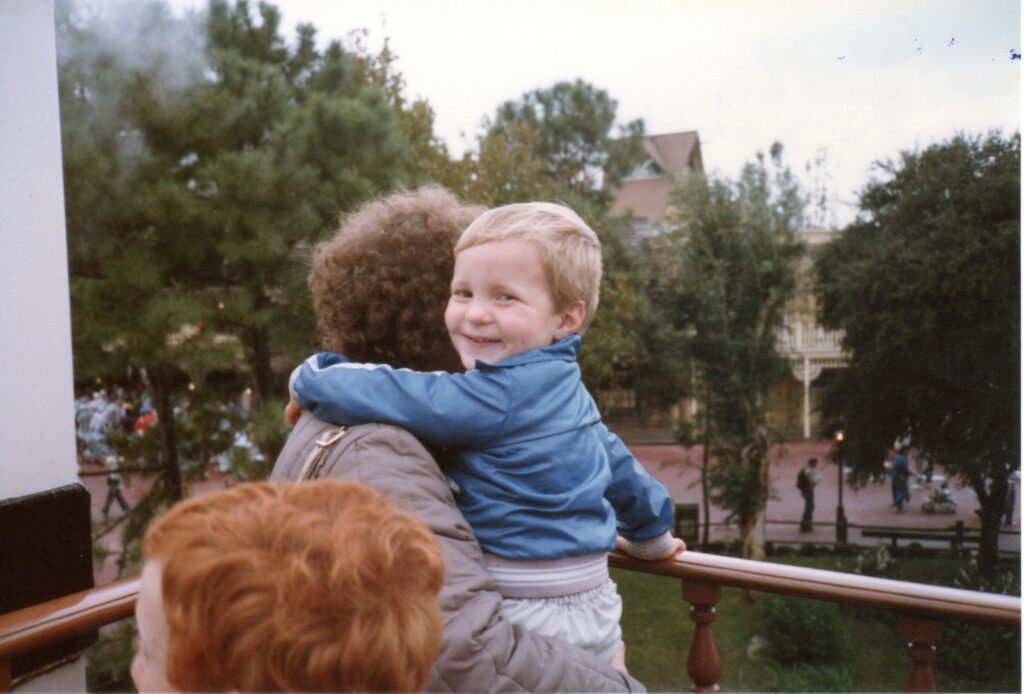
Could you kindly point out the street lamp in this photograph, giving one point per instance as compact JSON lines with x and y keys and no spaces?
{"x":841,"y":525}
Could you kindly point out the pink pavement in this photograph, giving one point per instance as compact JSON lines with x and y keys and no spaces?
{"x":678,"y":469}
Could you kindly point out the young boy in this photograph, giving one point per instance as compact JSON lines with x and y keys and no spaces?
{"x":542,"y":482}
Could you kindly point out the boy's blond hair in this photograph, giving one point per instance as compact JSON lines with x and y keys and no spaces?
{"x":569,"y":249}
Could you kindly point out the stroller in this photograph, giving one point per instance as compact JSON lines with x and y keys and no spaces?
{"x":939,"y":501}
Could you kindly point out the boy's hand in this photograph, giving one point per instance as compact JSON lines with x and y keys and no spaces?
{"x":292,"y":412}
{"x":672,"y":548}
{"x":679,"y":548}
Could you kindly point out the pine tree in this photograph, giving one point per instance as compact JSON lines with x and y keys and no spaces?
{"x":204,"y":156}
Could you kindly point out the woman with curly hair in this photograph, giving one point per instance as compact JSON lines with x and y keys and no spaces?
{"x":380,"y":287}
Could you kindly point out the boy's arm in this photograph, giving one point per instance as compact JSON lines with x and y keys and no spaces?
{"x":447,"y":409}
{"x":644,"y":511}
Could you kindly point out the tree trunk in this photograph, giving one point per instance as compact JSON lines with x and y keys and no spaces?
{"x":259,"y":356}
{"x":753,"y":537}
{"x":993,"y":505}
{"x":705,"y":487}
{"x":162,"y":379}
{"x":753,"y":533}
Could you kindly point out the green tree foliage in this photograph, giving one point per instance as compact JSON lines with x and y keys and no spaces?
{"x":203,"y":157}
{"x":926,"y":287}
{"x":574,"y":121}
{"x":560,"y":143}
{"x":299,"y":137}
{"x":723,"y":275}
{"x":130,"y":228}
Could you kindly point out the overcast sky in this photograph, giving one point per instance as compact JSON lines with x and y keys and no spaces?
{"x":862,"y":78}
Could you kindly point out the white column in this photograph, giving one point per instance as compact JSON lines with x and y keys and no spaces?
{"x":807,"y":397}
{"x":37,"y":435}
{"x":805,"y":372}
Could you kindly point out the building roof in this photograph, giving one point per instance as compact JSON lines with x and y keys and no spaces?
{"x":673,"y":151}
{"x":647,"y":197}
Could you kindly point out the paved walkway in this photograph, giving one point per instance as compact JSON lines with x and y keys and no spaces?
{"x":679,"y":470}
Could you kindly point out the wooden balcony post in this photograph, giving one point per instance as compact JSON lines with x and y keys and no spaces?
{"x":5,"y":675}
{"x":923,"y":636}
{"x":704,"y":666}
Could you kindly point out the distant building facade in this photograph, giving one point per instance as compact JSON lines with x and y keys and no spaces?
{"x":645,"y":191}
{"x":814,"y":353}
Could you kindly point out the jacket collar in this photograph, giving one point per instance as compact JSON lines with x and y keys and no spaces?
{"x":565,"y":349}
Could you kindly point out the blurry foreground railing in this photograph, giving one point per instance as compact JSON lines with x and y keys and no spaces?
{"x":922,"y":609}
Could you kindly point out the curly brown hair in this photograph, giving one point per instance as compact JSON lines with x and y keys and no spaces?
{"x":381,"y":284}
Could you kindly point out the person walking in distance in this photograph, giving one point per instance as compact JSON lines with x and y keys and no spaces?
{"x":114,"y":481}
{"x":900,"y":473}
{"x":806,"y":480}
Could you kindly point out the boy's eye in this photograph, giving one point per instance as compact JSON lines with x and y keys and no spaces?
{"x":506,"y":297}
{"x":463,"y":293}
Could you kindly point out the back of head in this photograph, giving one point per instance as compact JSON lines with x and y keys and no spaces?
{"x":381,"y":284}
{"x":569,"y":249}
{"x":313,"y":587}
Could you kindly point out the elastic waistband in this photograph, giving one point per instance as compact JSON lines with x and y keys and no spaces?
{"x":547,"y":578}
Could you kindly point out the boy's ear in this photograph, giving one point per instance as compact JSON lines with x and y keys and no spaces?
{"x":571,"y":319}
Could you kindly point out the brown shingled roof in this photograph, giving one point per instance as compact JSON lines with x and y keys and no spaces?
{"x":672,"y":151}
{"x":647,"y":198}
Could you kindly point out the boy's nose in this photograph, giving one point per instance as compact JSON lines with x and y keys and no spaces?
{"x":477,"y":312}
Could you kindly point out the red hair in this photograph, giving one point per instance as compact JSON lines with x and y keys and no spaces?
{"x":313,"y":587}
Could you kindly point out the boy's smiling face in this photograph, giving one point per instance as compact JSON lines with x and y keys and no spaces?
{"x":501,"y":304}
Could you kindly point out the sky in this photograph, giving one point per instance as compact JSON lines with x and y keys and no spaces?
{"x":860,"y":80}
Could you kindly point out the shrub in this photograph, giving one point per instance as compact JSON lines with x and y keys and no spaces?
{"x":803,"y":631}
{"x":108,"y":661}
{"x":975,"y":650}
{"x":809,"y":678}
{"x":874,"y":561}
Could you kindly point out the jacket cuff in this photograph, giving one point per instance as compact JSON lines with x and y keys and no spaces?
{"x":291,"y":383}
{"x":656,"y":548}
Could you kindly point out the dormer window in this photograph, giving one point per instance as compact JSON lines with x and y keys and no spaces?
{"x":648,"y":169}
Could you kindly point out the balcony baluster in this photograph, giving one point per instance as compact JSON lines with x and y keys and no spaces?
{"x":704,"y":666}
{"x":923,"y":637}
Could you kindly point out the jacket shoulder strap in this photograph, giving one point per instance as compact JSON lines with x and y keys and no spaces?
{"x":315,"y":461}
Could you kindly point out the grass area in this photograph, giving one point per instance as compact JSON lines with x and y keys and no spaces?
{"x":870,"y":655}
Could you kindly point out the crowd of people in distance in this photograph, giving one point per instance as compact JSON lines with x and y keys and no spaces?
{"x":106,"y":421}
{"x":99,"y":415}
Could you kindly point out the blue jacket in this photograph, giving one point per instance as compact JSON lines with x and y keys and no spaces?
{"x":539,"y":475}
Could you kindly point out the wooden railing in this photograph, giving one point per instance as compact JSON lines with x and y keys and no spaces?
{"x":922,"y":608}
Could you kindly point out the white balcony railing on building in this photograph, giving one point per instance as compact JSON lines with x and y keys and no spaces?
{"x":803,"y":340}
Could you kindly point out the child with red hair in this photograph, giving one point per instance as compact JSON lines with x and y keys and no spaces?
{"x":322,"y":586}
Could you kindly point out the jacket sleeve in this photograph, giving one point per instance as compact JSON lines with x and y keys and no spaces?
{"x":481,"y":651}
{"x":442,"y":408}
{"x":643,"y":508}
